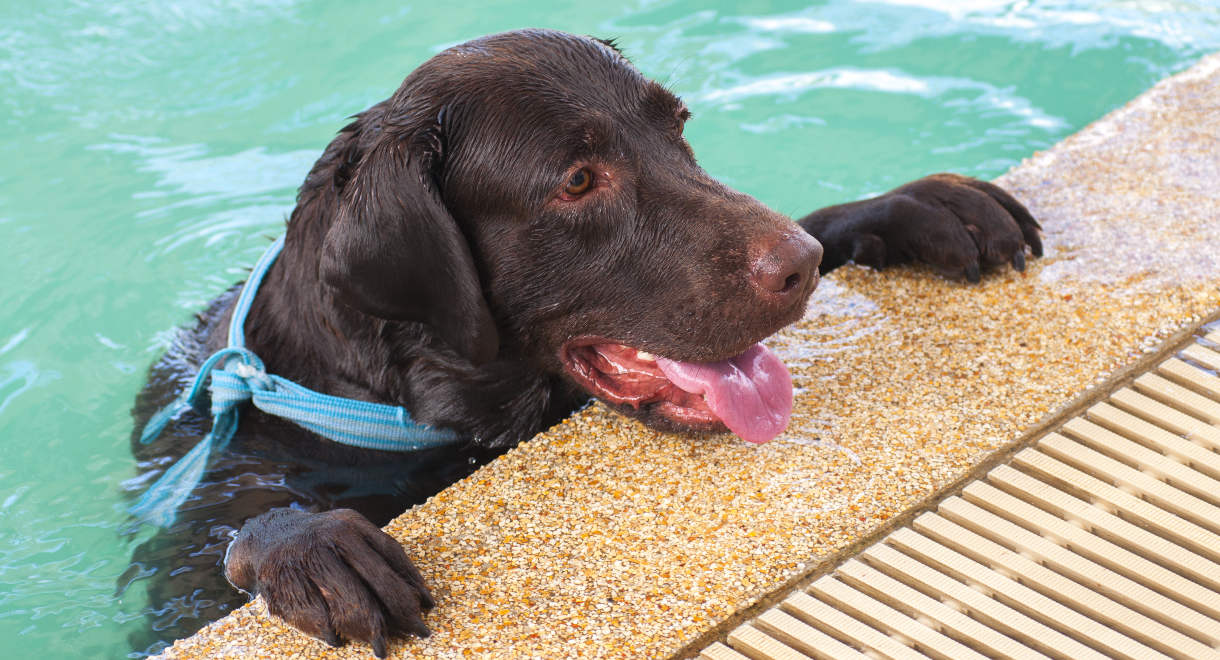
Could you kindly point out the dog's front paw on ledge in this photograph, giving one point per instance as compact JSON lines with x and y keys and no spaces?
{"x":333,"y":575}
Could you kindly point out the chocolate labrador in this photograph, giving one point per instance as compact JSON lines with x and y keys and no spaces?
{"x":519,"y":228}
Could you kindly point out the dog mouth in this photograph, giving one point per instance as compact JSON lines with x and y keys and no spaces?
{"x":749,"y":394}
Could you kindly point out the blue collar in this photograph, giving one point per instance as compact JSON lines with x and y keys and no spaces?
{"x":237,"y":376}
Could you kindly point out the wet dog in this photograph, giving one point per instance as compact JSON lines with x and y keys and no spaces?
{"x":519,"y":228}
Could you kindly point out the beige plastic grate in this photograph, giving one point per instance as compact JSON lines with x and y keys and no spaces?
{"x":1101,"y":540}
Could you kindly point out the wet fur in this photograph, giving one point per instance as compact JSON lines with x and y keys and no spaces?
{"x":428,"y":264}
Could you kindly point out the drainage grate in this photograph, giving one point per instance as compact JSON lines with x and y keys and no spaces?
{"x":1101,"y":540}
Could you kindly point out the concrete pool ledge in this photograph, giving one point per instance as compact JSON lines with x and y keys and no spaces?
{"x":602,"y":538}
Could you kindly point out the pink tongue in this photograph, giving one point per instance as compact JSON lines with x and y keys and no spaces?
{"x":750,"y":393}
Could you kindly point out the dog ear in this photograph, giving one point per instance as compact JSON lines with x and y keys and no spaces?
{"x":396,"y":253}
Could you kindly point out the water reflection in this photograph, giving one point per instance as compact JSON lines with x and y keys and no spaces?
{"x":251,"y":190}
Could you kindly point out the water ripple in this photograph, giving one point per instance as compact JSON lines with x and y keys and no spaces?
{"x":238,"y":194}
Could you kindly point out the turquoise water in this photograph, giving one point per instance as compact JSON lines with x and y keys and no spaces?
{"x":148,"y":147}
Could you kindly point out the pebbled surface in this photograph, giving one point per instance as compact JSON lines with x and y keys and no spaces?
{"x":601,"y":538}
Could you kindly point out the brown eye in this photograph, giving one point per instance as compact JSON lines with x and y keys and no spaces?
{"x":579,"y":183}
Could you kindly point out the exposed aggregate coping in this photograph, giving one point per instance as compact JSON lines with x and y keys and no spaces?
{"x":602,"y":538}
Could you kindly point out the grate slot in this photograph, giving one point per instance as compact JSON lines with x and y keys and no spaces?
{"x":813,"y":611}
{"x":1115,"y":557}
{"x":1009,"y":590}
{"x":805,"y":638}
{"x":1163,"y":467}
{"x":757,"y":644}
{"x":1170,"y":393}
{"x":932,"y":612}
{"x":1208,"y":358}
{"x":1193,"y":378}
{"x":1104,"y":523}
{"x":719,"y":651}
{"x":1078,"y":598}
{"x":884,"y":617}
{"x":1168,"y":418}
{"x":1131,"y":480}
{"x":1157,"y":438}
{"x":1102,"y":592}
{"x":1180,"y":531}
{"x":978,"y":605}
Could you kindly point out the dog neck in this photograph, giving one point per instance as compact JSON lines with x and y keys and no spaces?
{"x":304,"y":334}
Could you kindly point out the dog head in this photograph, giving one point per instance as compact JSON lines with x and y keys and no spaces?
{"x":530,"y":195}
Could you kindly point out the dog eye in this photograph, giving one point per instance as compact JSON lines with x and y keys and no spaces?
{"x":579,"y":183}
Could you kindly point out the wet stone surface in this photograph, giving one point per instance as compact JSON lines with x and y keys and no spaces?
{"x":603,"y":538}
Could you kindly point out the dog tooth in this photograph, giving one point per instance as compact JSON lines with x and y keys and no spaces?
{"x":647,"y":357}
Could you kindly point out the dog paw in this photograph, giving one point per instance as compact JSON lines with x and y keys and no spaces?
{"x":958,"y":225}
{"x":332,"y":575}
{"x":968,"y":225}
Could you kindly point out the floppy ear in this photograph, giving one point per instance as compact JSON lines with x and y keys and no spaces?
{"x":395,"y":252}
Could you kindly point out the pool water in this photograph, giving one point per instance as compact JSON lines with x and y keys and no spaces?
{"x":150,"y":147}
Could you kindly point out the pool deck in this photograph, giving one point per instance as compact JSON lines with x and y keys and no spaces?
{"x":602,"y":538}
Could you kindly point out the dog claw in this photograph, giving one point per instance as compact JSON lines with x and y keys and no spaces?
{"x":972,"y":273}
{"x":419,"y":629}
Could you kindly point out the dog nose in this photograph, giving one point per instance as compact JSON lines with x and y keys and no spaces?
{"x":788,"y":268}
